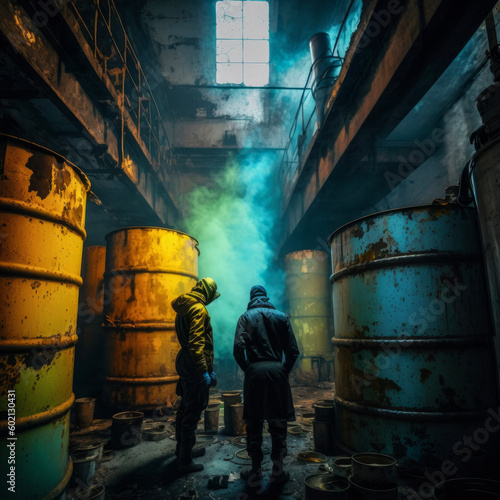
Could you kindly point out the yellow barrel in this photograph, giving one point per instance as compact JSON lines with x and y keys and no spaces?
{"x":89,"y":350}
{"x":308,"y":290}
{"x":146,"y":268}
{"x":42,"y":216}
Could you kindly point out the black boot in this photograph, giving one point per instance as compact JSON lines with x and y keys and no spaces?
{"x":185,"y":462}
{"x":253,"y":476}
{"x":278,"y":475}
{"x":195,"y":453}
{"x":188,"y":468}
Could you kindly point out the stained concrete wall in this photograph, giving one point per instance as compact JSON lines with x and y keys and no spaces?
{"x":182,"y":40}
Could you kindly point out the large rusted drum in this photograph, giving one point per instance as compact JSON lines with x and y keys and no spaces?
{"x":309,"y":305}
{"x":485,"y":179}
{"x":89,"y":358}
{"x":414,"y":360}
{"x":146,"y":268}
{"x":42,"y":216}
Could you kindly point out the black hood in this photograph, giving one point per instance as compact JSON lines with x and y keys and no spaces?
{"x":259,"y":298}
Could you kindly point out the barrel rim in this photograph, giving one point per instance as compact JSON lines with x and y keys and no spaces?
{"x":357,"y":458}
{"x":286,"y":257}
{"x":151,"y":227}
{"x":120,"y":416}
{"x":309,"y":478}
{"x":453,"y":206}
{"x":43,"y":149}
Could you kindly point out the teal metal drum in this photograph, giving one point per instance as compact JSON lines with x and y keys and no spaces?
{"x":414,"y":360}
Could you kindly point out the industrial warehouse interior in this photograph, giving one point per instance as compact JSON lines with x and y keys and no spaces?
{"x":250,"y":249}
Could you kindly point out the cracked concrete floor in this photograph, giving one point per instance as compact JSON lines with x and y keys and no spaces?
{"x":146,"y":471}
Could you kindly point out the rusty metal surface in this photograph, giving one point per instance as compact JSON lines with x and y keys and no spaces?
{"x":413,"y":336}
{"x":140,"y":162}
{"x":319,"y":184}
{"x":42,"y":217}
{"x":308,"y":295}
{"x":146,"y":268}
{"x":486,"y":181}
{"x":90,"y":347}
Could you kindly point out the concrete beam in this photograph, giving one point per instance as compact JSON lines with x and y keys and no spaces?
{"x":384,"y":76}
{"x":67,"y":91}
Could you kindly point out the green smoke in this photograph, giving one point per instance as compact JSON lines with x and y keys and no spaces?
{"x":233,"y":219}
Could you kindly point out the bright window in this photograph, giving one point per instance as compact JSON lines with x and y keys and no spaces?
{"x":242,"y":42}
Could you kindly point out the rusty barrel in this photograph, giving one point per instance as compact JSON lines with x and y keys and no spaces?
{"x":309,"y":304}
{"x":485,"y":180}
{"x":146,"y":268}
{"x":42,"y":216}
{"x":89,"y":350}
{"x":414,"y":362}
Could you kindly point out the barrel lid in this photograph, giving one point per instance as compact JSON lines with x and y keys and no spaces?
{"x":60,"y":157}
{"x":153,"y":227}
{"x":453,"y":206}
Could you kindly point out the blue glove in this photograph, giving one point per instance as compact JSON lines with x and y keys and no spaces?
{"x":206,"y":378}
{"x":213,"y":378}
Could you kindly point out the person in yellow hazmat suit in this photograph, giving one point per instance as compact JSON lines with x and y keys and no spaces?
{"x":194,"y":365}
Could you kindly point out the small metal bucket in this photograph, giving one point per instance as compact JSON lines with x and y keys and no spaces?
{"x":229,"y":398}
{"x":212,"y":418}
{"x":126,"y":429}
{"x":324,"y":410}
{"x":84,"y":468}
{"x":326,"y":487}
{"x":84,"y":411}
{"x":89,"y":449}
{"x":342,"y":466}
{"x":477,"y":488}
{"x":237,"y":423}
{"x":323,"y":433}
{"x":374,"y":470}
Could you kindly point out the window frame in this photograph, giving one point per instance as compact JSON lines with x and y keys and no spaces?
{"x":245,"y":77}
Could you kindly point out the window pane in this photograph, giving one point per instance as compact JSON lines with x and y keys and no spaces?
{"x":256,"y":51}
{"x":256,"y":74}
{"x":256,"y":20}
{"x":228,"y":17}
{"x":229,"y":51}
{"x":229,"y":73}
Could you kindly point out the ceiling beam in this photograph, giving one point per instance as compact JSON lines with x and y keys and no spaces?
{"x":385,"y":75}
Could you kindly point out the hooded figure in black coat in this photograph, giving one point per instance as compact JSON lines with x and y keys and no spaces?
{"x":263,"y":335}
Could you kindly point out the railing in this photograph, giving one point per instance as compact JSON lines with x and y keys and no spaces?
{"x":103,"y":28}
{"x":306,"y":117}
{"x":303,"y":126}
{"x":300,"y":135}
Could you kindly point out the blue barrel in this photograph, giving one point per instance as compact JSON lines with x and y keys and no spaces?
{"x":414,"y":360}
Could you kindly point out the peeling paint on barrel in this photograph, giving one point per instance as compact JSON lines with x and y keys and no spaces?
{"x":42,"y":212}
{"x":410,"y":312}
{"x":146,"y":268}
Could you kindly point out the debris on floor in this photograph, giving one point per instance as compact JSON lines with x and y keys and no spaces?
{"x":218,"y":482}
